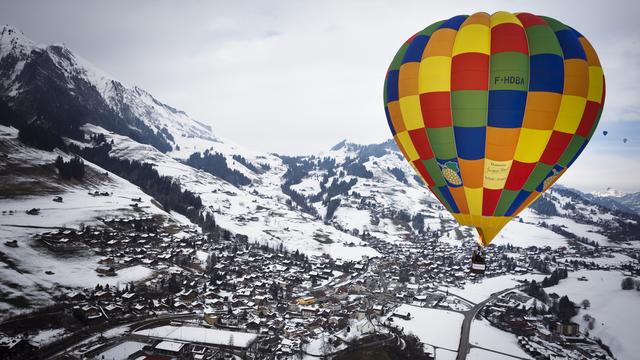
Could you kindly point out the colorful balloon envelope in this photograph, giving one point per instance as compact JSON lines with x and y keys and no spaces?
{"x":490,"y":110}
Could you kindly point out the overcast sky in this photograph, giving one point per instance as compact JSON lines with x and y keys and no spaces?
{"x":296,"y":77}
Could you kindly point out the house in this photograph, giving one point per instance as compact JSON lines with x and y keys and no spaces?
{"x":307,"y":300}
{"x":91,"y":312}
{"x":253,"y":326}
{"x":106,"y":270}
{"x":211,"y":318}
{"x":76,"y":296}
{"x":17,"y":348}
{"x":188,"y":296}
{"x":103,"y":295}
{"x":113,"y":310}
{"x":215,"y":304}
{"x":106,"y":261}
{"x":159,"y":305}
{"x":308,"y":311}
{"x":128,"y":296}
{"x":566,"y":329}
{"x":171,"y":348}
{"x":402,"y":314}
{"x":140,"y":307}
{"x":520,"y":327}
{"x":379,"y":310}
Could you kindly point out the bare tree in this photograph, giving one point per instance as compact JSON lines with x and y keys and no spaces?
{"x":325,"y":347}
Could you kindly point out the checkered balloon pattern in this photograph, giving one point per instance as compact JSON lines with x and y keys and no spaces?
{"x":490,"y":110}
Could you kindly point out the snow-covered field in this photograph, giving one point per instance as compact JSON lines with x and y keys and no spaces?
{"x":525,"y":235}
{"x":481,"y":354}
{"x":617,"y":259}
{"x":440,"y":328}
{"x":121,"y":351}
{"x":44,"y":337}
{"x":486,"y":336}
{"x":200,"y":335}
{"x":353,"y":218}
{"x":614,"y":309}
{"x":477,"y":292}
{"x":582,"y":230}
{"x":443,"y":354}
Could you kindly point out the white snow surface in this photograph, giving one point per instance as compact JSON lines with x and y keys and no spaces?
{"x":482,"y":290}
{"x":47,"y":336}
{"x":526,"y":234}
{"x":481,"y":354}
{"x":443,"y":354}
{"x":612,"y":307}
{"x":483,"y":334}
{"x":440,"y":328}
{"x":615,"y":259}
{"x":199,"y":335}
{"x":121,"y":351}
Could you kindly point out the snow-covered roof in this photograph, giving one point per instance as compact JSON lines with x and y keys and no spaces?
{"x":172,"y":346}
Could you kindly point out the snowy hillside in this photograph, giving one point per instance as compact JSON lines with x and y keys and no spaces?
{"x":31,"y":273}
{"x":259,"y":210}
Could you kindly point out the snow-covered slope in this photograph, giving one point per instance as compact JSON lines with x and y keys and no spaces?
{"x":30,"y":273}
{"x":612,"y":308}
{"x":259,"y":210}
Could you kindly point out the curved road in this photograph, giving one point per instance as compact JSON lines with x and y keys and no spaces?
{"x":464,"y":347}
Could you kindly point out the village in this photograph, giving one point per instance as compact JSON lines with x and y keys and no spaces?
{"x":220,"y":297}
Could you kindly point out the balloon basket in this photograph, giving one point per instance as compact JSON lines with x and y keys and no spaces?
{"x":478,"y":262}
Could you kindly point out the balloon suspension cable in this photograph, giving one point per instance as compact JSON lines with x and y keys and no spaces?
{"x":480,"y":239}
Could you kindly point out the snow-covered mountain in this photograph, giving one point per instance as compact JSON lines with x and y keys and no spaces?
{"x":609,"y":192}
{"x":53,"y":86}
{"x":618,"y":200}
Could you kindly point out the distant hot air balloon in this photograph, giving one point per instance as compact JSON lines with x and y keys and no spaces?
{"x":491,"y":109}
{"x":605,"y":133}
{"x":624,"y":140}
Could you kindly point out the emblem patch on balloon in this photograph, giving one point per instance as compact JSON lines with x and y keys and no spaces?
{"x":451,"y":173}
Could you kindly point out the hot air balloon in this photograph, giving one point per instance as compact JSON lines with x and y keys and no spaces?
{"x":490,"y":110}
{"x":605,"y":133}
{"x":624,"y":140}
